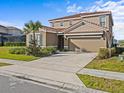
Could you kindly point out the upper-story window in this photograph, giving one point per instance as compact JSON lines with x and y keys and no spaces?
{"x":61,"y":23}
{"x":102,"y":21}
{"x":52,"y":24}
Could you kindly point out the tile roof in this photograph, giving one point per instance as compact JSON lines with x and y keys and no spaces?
{"x":82,"y":14}
{"x":52,"y":29}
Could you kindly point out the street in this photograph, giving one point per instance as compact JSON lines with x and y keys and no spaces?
{"x":13,"y":85}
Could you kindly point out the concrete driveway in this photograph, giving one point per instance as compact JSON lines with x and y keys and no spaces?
{"x":57,"y":70}
{"x":67,"y":62}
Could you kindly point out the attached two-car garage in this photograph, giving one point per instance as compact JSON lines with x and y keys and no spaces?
{"x":88,"y":45}
{"x":89,"y":42}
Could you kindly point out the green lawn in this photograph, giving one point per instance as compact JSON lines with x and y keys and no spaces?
{"x":4,"y":64}
{"x":121,"y":42}
{"x":111,"y":64}
{"x":109,"y":85}
{"x":4,"y":53}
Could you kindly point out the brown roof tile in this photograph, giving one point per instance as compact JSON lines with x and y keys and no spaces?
{"x":82,"y":14}
{"x":52,"y":29}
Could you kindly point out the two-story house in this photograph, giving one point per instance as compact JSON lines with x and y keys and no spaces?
{"x":84,"y":31}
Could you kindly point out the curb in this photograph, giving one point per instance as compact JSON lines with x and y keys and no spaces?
{"x":62,"y":86}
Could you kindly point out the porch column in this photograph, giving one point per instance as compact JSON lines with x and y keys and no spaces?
{"x":68,"y":43}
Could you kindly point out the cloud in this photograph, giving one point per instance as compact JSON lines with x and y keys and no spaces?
{"x":117,"y":8}
{"x":4,"y":23}
{"x":74,"y":8}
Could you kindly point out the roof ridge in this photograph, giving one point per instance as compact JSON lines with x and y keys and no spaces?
{"x":83,"y":13}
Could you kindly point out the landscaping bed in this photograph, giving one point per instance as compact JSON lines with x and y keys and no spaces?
{"x":109,"y":85}
{"x":110,"y":64}
{"x":4,"y":53}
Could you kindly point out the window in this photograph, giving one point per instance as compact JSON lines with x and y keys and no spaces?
{"x":52,"y":24}
{"x":102,"y":21}
{"x":61,"y":24}
{"x":38,"y":39}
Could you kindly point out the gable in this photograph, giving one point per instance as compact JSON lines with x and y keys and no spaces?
{"x":84,"y":26}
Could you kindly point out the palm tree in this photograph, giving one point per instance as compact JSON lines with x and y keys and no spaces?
{"x":32,"y":27}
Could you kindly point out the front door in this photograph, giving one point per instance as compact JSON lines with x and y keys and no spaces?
{"x":60,"y":42}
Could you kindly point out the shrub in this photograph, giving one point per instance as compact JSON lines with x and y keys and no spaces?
{"x":51,"y":49}
{"x":35,"y":51}
{"x":119,"y":50}
{"x":17,"y":51}
{"x":113,"y":51}
{"x":15,"y":44}
{"x":47,"y":51}
{"x":103,"y":53}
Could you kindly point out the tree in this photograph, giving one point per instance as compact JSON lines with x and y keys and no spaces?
{"x":32,"y":27}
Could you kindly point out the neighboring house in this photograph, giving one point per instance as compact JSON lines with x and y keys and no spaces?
{"x":10,"y":34}
{"x":14,"y":31}
{"x":16,"y":34}
{"x":83,"y":31}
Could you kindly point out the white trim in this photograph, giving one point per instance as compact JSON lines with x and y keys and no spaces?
{"x":51,"y":31}
{"x":74,"y":37}
{"x":99,"y":33}
{"x":48,"y":31}
{"x":44,"y":30}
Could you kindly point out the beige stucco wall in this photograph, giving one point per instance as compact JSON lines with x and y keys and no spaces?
{"x":94,"y":19}
{"x":66,"y":23}
{"x":48,"y":39}
{"x":42,"y":38}
{"x":65,"y":43}
{"x":91,"y":45}
{"x":51,"y":39}
{"x":86,"y":28}
{"x":27,"y":40}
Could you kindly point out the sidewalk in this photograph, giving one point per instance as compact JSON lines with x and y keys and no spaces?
{"x":103,"y":73}
{"x":55,"y":79}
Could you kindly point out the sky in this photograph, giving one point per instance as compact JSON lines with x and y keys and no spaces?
{"x":18,"y":12}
